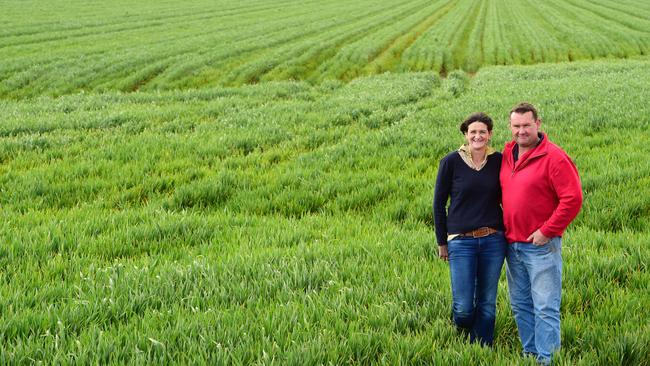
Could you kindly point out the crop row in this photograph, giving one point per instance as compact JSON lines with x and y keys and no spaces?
{"x":67,"y":47}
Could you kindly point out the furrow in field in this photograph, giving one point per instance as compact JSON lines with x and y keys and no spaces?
{"x":460,"y":41}
{"x":356,"y":58}
{"x":433,"y":49}
{"x":350,"y":59}
{"x":475,"y":49}
{"x":389,"y":58}
{"x":492,"y":40}
{"x":359,"y":32}
{"x":518,"y":44}
{"x":299,"y":65}
{"x":210,"y":62}
{"x":503,"y":55}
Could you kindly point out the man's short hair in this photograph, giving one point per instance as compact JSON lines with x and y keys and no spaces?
{"x":476,"y":117}
{"x":524,"y":107}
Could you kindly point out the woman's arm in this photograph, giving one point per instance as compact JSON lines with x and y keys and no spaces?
{"x":440,"y":198}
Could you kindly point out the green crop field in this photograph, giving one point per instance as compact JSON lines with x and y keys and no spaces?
{"x":211,"y":182}
{"x":69,"y":46}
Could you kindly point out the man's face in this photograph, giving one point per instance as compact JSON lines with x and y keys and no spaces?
{"x":524,"y":129}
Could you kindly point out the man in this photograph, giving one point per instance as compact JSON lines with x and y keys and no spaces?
{"x":541,"y":196}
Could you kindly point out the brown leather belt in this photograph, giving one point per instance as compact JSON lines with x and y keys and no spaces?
{"x":480,"y":232}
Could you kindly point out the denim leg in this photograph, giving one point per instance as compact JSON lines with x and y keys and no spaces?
{"x":521,"y":300}
{"x":462,"y":268}
{"x":546,"y":290}
{"x":492,"y":251}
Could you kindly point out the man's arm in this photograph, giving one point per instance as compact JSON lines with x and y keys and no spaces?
{"x":566,"y":183}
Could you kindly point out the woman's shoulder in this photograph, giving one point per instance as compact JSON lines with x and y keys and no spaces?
{"x":497,"y":155}
{"x":450,"y":159}
{"x":451,"y":156}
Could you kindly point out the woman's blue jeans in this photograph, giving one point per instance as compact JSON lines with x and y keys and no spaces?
{"x":475,"y":266}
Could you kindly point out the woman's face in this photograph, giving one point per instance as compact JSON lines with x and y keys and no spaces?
{"x":477,"y":135}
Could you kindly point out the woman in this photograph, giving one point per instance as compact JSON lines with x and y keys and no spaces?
{"x":470,"y":234}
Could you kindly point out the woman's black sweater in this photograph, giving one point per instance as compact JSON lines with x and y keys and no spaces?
{"x":475,"y":196}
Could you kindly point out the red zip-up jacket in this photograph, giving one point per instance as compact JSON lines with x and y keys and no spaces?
{"x":541,"y":191}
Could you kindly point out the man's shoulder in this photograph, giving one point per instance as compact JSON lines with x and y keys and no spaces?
{"x":556,"y":151}
{"x":558,"y":157}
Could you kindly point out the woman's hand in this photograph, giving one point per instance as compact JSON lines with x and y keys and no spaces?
{"x":442,"y":253}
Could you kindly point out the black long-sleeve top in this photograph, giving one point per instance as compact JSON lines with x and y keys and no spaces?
{"x":475,"y":196}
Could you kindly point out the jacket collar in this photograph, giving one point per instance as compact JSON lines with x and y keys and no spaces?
{"x":466,"y":154}
{"x":536,"y":152}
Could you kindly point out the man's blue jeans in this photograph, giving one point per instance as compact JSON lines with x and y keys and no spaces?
{"x":535,"y":285}
{"x":475,"y":266}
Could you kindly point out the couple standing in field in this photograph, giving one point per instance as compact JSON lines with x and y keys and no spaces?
{"x":513,"y":206}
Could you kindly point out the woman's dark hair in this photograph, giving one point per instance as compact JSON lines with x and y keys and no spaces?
{"x":476,"y":117}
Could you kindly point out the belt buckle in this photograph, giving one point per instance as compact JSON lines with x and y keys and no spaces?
{"x":481,"y":232}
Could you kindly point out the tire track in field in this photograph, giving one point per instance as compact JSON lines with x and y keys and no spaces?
{"x":475,"y":49}
{"x":386,"y":60}
{"x":330,"y":65}
{"x":449,"y":36}
{"x":368,"y":29}
{"x":492,"y":38}
{"x":460,"y":46}
{"x":314,"y":56}
{"x":383,"y":40}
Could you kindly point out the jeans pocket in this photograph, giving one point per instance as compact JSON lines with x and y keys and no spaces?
{"x":544,"y":248}
{"x":450,"y":246}
{"x":454,"y":244}
{"x":555,"y":244}
{"x":551,"y":246}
